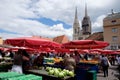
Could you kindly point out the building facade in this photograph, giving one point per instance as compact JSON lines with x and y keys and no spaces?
{"x":85,"y":32}
{"x":76,"y":27}
{"x":1,"y":40}
{"x":111,"y":26}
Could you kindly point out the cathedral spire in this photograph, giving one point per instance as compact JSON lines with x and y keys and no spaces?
{"x":86,"y":23}
{"x":86,"y":10}
{"x":76,"y":27}
{"x":76,"y":17}
{"x":76,"y":13}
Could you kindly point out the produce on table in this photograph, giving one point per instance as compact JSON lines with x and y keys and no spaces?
{"x":59,"y":72}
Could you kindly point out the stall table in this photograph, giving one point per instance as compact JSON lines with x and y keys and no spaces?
{"x":46,"y":76}
{"x":5,"y":66}
{"x":90,"y":66}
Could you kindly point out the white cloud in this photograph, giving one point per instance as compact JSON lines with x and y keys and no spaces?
{"x":100,"y":3}
{"x":32,"y":27}
{"x":6,"y":35}
{"x":98,"y":24}
{"x":56,"y":10}
{"x":57,"y":27}
{"x":14,"y":15}
{"x":15,"y":8}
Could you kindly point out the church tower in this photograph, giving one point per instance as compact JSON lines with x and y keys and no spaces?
{"x":86,"y":23}
{"x":76,"y":27}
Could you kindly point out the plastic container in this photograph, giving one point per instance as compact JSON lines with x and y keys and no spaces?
{"x":26,"y":77}
{"x":91,"y":75}
{"x":5,"y":75}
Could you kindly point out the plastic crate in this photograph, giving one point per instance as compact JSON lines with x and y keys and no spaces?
{"x":92,"y":75}
{"x":26,"y":77}
{"x":5,"y":75}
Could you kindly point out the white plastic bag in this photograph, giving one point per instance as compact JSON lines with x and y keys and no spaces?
{"x":109,"y":63}
{"x":16,"y":68}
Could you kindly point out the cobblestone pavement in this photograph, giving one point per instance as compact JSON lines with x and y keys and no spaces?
{"x":113,"y":74}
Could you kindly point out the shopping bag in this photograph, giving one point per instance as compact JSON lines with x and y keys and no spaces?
{"x":109,"y":63}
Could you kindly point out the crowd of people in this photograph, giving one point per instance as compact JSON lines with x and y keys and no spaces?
{"x":24,"y":60}
{"x":107,"y":60}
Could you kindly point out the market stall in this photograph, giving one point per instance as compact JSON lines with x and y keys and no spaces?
{"x":31,"y":42}
{"x":5,"y":64}
{"x":85,"y":44}
{"x":89,"y":65}
{"x":85,"y":65}
{"x":46,"y":76}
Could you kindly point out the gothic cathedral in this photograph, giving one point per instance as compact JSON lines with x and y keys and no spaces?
{"x":79,"y":34}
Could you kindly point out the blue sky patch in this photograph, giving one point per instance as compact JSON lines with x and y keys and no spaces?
{"x":50,"y":22}
{"x":5,"y":31}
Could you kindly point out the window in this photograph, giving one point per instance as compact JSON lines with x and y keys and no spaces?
{"x":75,"y":31}
{"x":114,"y":38}
{"x":114,"y":30}
{"x":113,"y":47}
{"x":113,"y":21}
{"x":119,"y":47}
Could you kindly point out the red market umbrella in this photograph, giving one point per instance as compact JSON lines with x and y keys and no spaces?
{"x":118,"y":51}
{"x":96,"y":51}
{"x":1,"y":48}
{"x":62,"y":50}
{"x":83,"y":51}
{"x":31,"y":42}
{"x":44,"y":49}
{"x":107,"y":51}
{"x":23,"y":48}
{"x":85,"y":44}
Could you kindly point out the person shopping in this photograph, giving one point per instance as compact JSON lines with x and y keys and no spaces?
{"x":105,"y":65}
{"x":69,"y":63}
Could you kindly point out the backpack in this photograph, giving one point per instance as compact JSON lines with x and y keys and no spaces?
{"x":104,"y":62}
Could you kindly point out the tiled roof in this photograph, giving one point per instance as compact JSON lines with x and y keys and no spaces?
{"x":58,"y":39}
{"x":61,"y":39}
{"x":43,"y":38}
{"x":96,"y":36}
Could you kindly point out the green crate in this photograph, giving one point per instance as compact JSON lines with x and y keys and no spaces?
{"x":26,"y":77}
{"x":92,"y":75}
{"x":5,"y":75}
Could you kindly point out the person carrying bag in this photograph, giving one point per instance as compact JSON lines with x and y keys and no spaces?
{"x":105,"y":64}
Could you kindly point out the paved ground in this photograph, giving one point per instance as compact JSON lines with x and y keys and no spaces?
{"x":113,"y":74}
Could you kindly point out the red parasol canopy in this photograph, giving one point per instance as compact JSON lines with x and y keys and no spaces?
{"x":85,"y":44}
{"x":62,"y":50}
{"x":31,"y":42}
{"x":23,"y":48}
{"x":1,"y":48}
{"x":117,"y":51}
{"x":109,"y":52}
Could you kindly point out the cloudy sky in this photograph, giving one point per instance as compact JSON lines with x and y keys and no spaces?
{"x":50,"y":18}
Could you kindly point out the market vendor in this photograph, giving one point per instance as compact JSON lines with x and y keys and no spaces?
{"x":26,"y":60}
{"x":76,"y":56}
{"x":17,"y":63}
{"x":69,"y":62}
{"x":39,"y":60}
{"x":2,"y":53}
